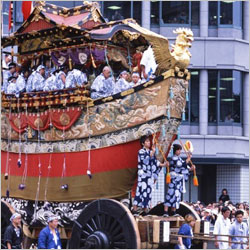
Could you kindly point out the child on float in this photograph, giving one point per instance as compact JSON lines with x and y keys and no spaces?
{"x":148,"y":170}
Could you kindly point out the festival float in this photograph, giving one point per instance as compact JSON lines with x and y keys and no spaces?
{"x":66,"y":153}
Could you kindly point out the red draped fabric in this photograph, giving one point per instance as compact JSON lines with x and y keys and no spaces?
{"x":64,"y":119}
{"x":60,"y":118}
{"x":18,"y":122}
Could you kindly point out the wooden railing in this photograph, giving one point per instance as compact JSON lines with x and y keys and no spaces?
{"x":65,"y":97}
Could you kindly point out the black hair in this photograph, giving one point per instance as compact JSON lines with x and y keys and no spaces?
{"x":12,"y":65}
{"x":224,"y":209}
{"x":143,"y":139}
{"x":238,"y":212}
{"x":176,"y":147}
{"x":224,"y":189}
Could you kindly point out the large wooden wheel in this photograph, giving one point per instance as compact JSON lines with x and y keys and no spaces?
{"x":105,"y":224}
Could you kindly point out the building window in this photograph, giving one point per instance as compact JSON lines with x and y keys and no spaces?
{"x":154,"y":14}
{"x":180,"y":12}
{"x":212,"y":95}
{"x":137,"y":11}
{"x":117,"y":10}
{"x":224,"y":96}
{"x":230,"y":103}
{"x":192,"y":106}
{"x":5,"y":17}
{"x":225,"y":13}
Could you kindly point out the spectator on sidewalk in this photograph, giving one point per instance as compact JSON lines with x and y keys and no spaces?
{"x":222,"y":226}
{"x":224,"y":196}
{"x":238,"y":228}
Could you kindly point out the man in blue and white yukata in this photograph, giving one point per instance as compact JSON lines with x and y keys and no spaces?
{"x":103,"y":85}
{"x":122,"y":84}
{"x":36,"y":80}
{"x":76,"y":78}
{"x":148,"y":170}
{"x":12,"y":88}
{"x":179,"y":172}
{"x":7,"y":74}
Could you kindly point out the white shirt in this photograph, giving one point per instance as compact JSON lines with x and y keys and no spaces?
{"x":148,"y":60}
{"x":222,"y":226}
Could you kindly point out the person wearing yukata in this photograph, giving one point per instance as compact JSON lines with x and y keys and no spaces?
{"x":13,"y":235}
{"x":50,"y":82}
{"x":7,"y":74}
{"x":103,"y":85}
{"x":148,"y":65}
{"x":122,"y":84}
{"x":60,"y":80}
{"x":49,"y":237}
{"x":36,"y":80}
{"x":6,"y":62}
{"x":238,"y":228}
{"x":12,"y":88}
{"x":179,"y":172}
{"x":186,"y":229}
{"x":76,"y":78}
{"x":20,"y":82}
{"x":135,"y":79}
{"x":148,"y":170}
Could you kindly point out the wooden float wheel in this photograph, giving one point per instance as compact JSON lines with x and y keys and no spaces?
{"x":5,"y":221}
{"x":104,"y":224}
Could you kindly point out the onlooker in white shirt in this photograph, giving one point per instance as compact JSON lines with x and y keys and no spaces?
{"x":222,"y":226}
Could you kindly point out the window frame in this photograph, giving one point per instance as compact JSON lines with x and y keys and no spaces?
{"x":188,"y":121}
{"x":218,"y":122}
{"x":162,"y":24}
{"x":237,"y":6}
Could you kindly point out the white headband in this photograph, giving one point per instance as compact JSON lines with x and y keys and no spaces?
{"x":14,"y":216}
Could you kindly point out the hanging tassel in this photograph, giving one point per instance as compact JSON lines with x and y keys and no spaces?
{"x":168,"y":178}
{"x":89,"y":174}
{"x":163,"y":131}
{"x":187,"y":96}
{"x":21,"y":186}
{"x":92,"y":60}
{"x":19,"y":163}
{"x":29,"y":132}
{"x":7,"y":193}
{"x":195,"y":181}
{"x":171,"y":94}
{"x":70,"y":63}
{"x":65,"y":187}
{"x":183,"y":115}
{"x":168,"y":112}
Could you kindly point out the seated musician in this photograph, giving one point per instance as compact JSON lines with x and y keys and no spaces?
{"x":20,"y":82}
{"x":36,"y":80}
{"x":60,"y":80}
{"x":136,"y":80}
{"x":122,"y":84}
{"x":148,"y":65}
{"x":76,"y":78}
{"x":12,"y":89}
{"x":103,"y":85}
{"x":50,"y":81}
{"x":7,"y":74}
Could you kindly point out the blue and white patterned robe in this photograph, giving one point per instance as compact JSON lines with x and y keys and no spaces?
{"x":6,"y":76}
{"x":20,"y":84}
{"x":148,"y":170}
{"x":102,"y":87}
{"x":58,"y":83}
{"x":49,"y":83}
{"x":122,"y":85}
{"x":75,"y":78}
{"x":179,"y":172}
{"x":11,"y":89}
{"x":38,"y":82}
